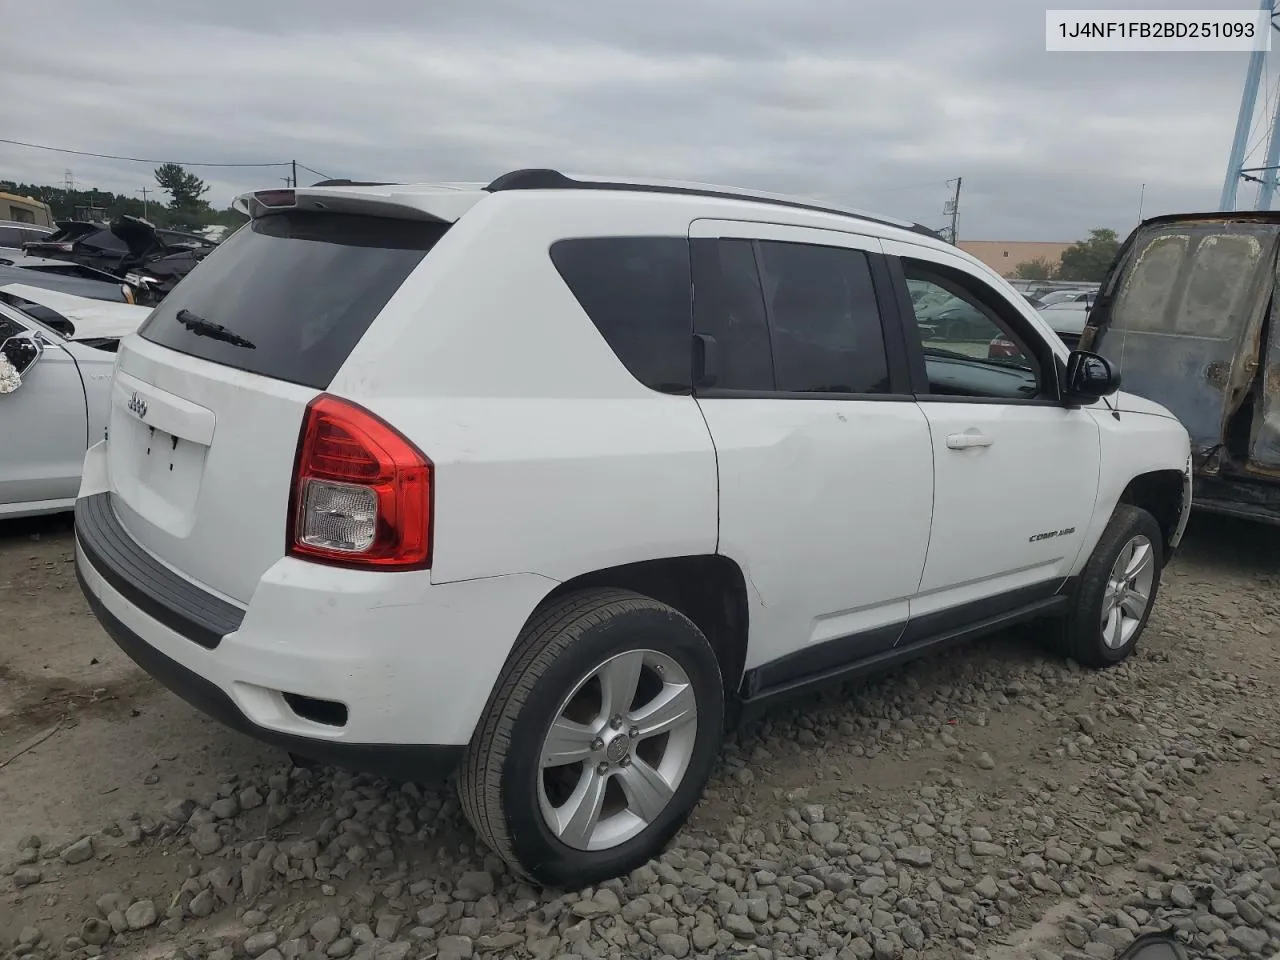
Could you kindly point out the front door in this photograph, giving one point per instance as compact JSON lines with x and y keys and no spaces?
{"x":1015,"y":472}
{"x":825,"y":467}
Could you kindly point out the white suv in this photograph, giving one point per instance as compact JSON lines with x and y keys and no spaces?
{"x":552,"y":479}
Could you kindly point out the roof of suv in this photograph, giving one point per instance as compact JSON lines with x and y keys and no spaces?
{"x":546,"y":179}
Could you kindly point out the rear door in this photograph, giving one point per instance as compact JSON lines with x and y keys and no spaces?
{"x":209,"y":398}
{"x":826,"y":471}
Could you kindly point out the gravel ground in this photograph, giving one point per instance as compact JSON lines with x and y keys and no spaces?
{"x":993,"y":802}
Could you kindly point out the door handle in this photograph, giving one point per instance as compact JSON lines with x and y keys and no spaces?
{"x":963,"y":441}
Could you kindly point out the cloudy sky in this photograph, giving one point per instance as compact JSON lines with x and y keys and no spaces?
{"x":874,"y":103}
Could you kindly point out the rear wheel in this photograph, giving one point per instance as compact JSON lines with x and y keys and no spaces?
{"x":598,"y":739}
{"x":1117,"y":590}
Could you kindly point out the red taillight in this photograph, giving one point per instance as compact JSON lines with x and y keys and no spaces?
{"x":361,"y":492}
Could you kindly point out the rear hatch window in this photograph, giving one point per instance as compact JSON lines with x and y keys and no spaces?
{"x":290,"y":295}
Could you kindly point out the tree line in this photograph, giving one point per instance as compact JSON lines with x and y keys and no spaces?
{"x":186,"y":208}
{"x":1085,"y":260}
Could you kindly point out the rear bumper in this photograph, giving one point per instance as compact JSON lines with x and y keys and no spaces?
{"x":403,"y":666}
{"x":399,"y":761}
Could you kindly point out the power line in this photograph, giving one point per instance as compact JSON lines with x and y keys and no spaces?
{"x":316,"y":172}
{"x":109,"y":156}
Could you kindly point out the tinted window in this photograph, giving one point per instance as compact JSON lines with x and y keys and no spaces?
{"x":729,"y":306}
{"x":969,"y":350}
{"x":301,"y":287}
{"x":14,"y":236}
{"x":636,"y":290}
{"x":824,"y":319}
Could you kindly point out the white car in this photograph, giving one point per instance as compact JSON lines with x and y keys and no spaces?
{"x":552,"y":479}
{"x":56,"y":356}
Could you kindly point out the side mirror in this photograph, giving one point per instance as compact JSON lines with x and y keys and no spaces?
{"x":1089,"y":377}
{"x":20,"y":354}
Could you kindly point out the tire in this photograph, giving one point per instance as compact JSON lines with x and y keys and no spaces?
{"x":558,"y":671}
{"x":1084,"y":637}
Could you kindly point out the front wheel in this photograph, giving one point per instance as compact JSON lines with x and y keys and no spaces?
{"x":1117,"y":590}
{"x":598,"y":739}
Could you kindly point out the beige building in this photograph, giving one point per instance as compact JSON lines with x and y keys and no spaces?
{"x":1003,"y":256}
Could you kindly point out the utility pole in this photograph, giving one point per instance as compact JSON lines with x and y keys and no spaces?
{"x":1141,"y":196}
{"x":294,"y":164}
{"x":952,"y":207}
{"x":1244,"y":120}
{"x":145,"y":191}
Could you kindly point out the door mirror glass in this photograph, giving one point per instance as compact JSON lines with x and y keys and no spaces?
{"x":17,"y":356}
{"x":1090,"y":377}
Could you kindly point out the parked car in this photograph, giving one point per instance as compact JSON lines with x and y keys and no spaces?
{"x":1187,"y":313}
{"x":130,"y":248}
{"x":63,"y":275}
{"x":1067,"y":317}
{"x":14,"y":233}
{"x":366,"y":500}
{"x":1083,"y":295}
{"x":55,"y":379}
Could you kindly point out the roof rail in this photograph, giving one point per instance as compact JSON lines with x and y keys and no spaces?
{"x":352,"y":183}
{"x":542,"y":178}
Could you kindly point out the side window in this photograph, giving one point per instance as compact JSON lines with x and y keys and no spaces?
{"x":969,"y":350}
{"x":12,"y":236}
{"x":10,"y":328}
{"x":636,"y":290}
{"x":824,"y":319}
{"x":728,"y":306}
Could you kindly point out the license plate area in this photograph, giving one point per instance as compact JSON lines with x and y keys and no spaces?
{"x":156,"y":473}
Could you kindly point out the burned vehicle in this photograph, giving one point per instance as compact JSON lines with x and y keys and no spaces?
{"x":150,"y":260}
{"x":1188,"y":315}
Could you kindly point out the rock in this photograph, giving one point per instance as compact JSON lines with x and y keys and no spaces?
{"x":30,"y":842}
{"x":325,"y":930}
{"x":27,"y":876}
{"x":206,"y":840}
{"x":141,"y":915}
{"x":1086,"y":724}
{"x":986,"y":888}
{"x":454,"y":948}
{"x":250,"y":799}
{"x":873,"y":886}
{"x":824,"y":833}
{"x":740,"y":927}
{"x":674,"y":944}
{"x":179,"y":811}
{"x":1109,"y":838}
{"x":339,"y":948}
{"x":498,"y":943}
{"x":915,"y":856}
{"x":1181,"y":896}
{"x":432,"y":915}
{"x":225,"y":808}
{"x":253,"y":879}
{"x":260,"y":943}
{"x":476,"y":884}
{"x":95,"y":931}
{"x":388,"y":926}
{"x":985,"y":762}
{"x":1251,"y":941}
{"x":981,"y":849}
{"x":203,"y":904}
{"x":78,"y":852}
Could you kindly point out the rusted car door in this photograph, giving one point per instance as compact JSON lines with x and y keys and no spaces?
{"x":1184,"y":315}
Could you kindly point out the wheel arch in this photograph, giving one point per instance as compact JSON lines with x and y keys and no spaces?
{"x":709,"y":589}
{"x":1160,"y":493}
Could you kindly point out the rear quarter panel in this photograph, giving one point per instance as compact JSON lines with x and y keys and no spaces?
{"x":549,"y":457}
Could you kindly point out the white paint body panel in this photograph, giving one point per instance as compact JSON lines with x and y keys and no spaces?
{"x":552,"y":462}
{"x":47,"y":422}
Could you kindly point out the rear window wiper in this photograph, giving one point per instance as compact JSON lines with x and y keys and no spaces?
{"x":216,"y":331}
